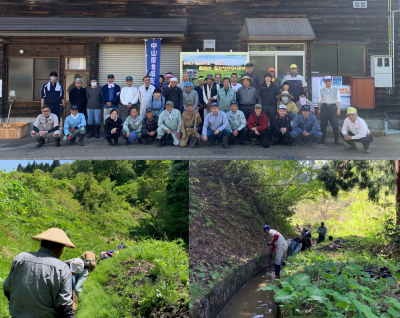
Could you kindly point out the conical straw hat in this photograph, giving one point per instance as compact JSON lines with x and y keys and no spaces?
{"x":55,"y":235}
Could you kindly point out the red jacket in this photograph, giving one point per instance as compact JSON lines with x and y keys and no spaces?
{"x":261,"y":124}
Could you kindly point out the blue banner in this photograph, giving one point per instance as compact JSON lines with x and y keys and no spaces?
{"x":153,"y":51}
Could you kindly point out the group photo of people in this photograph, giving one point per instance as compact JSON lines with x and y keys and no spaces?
{"x":262,"y":111}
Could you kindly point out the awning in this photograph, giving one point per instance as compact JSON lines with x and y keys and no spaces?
{"x":90,"y":26}
{"x":277,"y":29}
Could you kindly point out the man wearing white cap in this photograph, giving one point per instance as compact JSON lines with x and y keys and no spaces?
{"x":329,"y":108}
{"x":39,"y":284}
{"x":355,"y":129}
{"x":175,"y":94}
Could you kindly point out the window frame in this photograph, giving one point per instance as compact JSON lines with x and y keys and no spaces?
{"x":33,"y":74}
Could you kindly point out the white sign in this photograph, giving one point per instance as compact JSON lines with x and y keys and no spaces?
{"x":317,"y":82}
{"x":209,"y":44}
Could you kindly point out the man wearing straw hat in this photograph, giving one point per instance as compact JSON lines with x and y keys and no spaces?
{"x":247,"y":96}
{"x":39,"y":284}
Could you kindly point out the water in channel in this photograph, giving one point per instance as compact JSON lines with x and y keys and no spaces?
{"x":249,"y":302}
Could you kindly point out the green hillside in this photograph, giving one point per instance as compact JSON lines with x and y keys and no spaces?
{"x":99,"y":204}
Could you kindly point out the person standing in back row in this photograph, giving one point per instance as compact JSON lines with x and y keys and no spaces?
{"x":110,"y":96}
{"x":129,"y":98}
{"x":145,"y":92}
{"x":93,"y":108}
{"x":246,"y":96}
{"x":52,"y":94}
{"x":329,"y":108}
{"x":254,"y":76}
{"x":296,"y":82}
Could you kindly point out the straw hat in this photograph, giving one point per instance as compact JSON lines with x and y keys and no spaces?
{"x":284,"y":93}
{"x":55,"y":235}
{"x":246,"y":77}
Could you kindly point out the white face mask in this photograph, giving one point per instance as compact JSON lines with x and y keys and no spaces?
{"x":53,"y":79}
{"x":303,"y":100}
{"x":93,"y":84}
{"x":285,"y":99}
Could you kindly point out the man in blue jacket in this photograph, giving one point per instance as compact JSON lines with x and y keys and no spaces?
{"x":74,"y":126}
{"x":110,"y":96}
{"x":306,"y":127}
{"x":52,"y":94}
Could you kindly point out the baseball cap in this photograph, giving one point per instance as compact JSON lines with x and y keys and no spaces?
{"x":110,"y":76}
{"x":170,"y":102}
{"x":257,"y":106}
{"x":351,"y":110}
{"x":189,"y":102}
{"x":187,"y":84}
{"x":74,"y":107}
{"x":149,"y":110}
{"x":271,"y":69}
{"x":328,"y":78}
{"x":249,"y":64}
{"x":234,"y":102}
{"x":293,"y":66}
{"x":129,"y":78}
{"x":214,"y":104}
{"x":306,"y":108}
{"x":282,"y":107}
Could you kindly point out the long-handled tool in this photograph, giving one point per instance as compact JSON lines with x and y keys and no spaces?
{"x":192,"y":141}
{"x":11,"y":100}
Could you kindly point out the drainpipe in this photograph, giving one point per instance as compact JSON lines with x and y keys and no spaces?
{"x":393,"y":57}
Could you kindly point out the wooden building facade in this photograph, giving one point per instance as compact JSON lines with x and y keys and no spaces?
{"x":96,"y":37}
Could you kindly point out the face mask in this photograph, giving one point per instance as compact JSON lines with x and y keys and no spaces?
{"x":285,"y":99}
{"x":93,"y":84}
{"x":303,"y":100}
{"x":53,"y":79}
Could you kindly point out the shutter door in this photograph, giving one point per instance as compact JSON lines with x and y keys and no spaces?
{"x":170,"y":59}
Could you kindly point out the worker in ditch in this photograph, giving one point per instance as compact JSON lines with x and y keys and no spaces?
{"x":45,"y":127}
{"x":279,"y":244}
{"x":321,"y":233}
{"x":39,"y":283}
{"x":90,"y":258}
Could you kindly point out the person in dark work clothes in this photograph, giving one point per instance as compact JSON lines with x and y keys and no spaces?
{"x":254,"y":76}
{"x":329,"y":108}
{"x":110,"y":96}
{"x":218,"y":80}
{"x":210,"y":92}
{"x":281,"y":127}
{"x":274,"y":80}
{"x":113,"y":128}
{"x":52,"y":94}
{"x":199,"y":90}
{"x":296,"y":81}
{"x":175,"y":95}
{"x":268,"y":92}
{"x":77,"y":96}
{"x":246,"y":96}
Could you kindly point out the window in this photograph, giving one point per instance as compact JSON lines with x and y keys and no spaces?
{"x":276,"y":47}
{"x":338,"y":59}
{"x":76,"y":63}
{"x":27,"y":75}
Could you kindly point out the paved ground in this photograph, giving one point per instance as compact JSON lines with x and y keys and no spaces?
{"x":384,"y":147}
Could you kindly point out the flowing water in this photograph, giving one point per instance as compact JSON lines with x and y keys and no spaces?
{"x":249,"y":302}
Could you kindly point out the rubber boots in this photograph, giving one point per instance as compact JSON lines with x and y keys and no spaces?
{"x":41,"y":142}
{"x":225,"y":142}
{"x":91,"y":131}
{"x":161,"y":141}
{"x":211,"y":141}
{"x":97,"y":131}
{"x":110,"y":143}
{"x":322,"y":141}
{"x":277,"y":271}
{"x":81,"y":137}
{"x":57,"y":142}
{"x":336,"y":135}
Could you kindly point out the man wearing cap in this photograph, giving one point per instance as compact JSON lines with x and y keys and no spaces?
{"x":296,"y":81}
{"x":156,"y":102}
{"x":216,"y":127}
{"x":74,"y":126}
{"x":132,"y":128}
{"x":52,"y":94}
{"x":268,"y":93}
{"x":247,"y":96}
{"x":257,"y":125}
{"x":234,"y":84}
{"x":190,"y":120}
{"x":225,"y":95}
{"x":110,"y":96}
{"x":39,"y":284}
{"x":168,"y":77}
{"x":254,"y":76}
{"x":237,"y":124}
{"x":322,"y":231}
{"x":189,"y":94}
{"x":329,"y":108}
{"x":281,"y":127}
{"x":185,"y":78}
{"x":286,"y":99}
{"x":306,"y":127}
{"x":355,"y":129}
{"x":169,"y":123}
{"x":279,"y":244}
{"x":145,"y":92}
{"x":274,"y":80}
{"x":46,"y":126}
{"x":210,"y":92}
{"x":93,"y":108}
{"x":149,"y":127}
{"x":175,"y":95}
{"x":199,"y":89}
{"x":129,"y":98}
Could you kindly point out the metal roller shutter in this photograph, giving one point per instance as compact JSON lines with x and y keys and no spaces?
{"x":170,"y":59}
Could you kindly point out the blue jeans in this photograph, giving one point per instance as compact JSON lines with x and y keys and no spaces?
{"x":293,"y":247}
{"x":226,"y":132}
{"x":94,"y":116}
{"x":320,"y":239}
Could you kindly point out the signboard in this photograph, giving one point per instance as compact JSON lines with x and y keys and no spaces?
{"x":203,"y":63}
{"x":208,"y":44}
{"x":317,"y":82}
{"x":153,"y":59}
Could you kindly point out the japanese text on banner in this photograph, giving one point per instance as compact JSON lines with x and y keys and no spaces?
{"x":153,"y":49}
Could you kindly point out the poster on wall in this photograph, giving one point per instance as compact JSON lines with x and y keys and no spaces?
{"x":203,"y":63}
{"x":317,"y":82}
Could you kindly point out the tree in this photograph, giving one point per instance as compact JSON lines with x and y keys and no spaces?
{"x":377,"y":176}
{"x":20,"y":168}
{"x":55,"y":164}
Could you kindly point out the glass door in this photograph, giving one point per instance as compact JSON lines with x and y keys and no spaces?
{"x":262,"y":64}
{"x":284,"y":62}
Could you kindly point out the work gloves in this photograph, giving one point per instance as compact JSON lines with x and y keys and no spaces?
{"x":73,"y":129}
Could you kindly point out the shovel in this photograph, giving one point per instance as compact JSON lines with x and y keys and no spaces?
{"x":192,"y":140}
